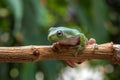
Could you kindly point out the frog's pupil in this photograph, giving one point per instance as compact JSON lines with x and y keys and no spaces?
{"x":59,"y":33}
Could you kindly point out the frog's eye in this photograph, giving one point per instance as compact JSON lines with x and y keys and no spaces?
{"x":59,"y":33}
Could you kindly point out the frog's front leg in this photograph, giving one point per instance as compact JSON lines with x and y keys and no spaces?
{"x":79,"y":48}
{"x":56,"y":46}
{"x":91,"y":41}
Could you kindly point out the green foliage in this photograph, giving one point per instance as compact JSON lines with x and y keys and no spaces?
{"x":26,"y":22}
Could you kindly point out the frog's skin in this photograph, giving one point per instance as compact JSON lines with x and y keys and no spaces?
{"x":69,"y":36}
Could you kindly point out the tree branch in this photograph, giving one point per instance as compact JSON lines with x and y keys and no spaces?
{"x":108,"y":51}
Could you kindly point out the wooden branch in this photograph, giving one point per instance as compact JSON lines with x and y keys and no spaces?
{"x":108,"y":51}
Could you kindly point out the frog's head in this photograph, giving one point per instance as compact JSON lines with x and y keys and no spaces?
{"x":60,"y":33}
{"x":56,"y":34}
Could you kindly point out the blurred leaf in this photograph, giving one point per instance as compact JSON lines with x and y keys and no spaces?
{"x":4,"y":71}
{"x":32,"y":34}
{"x":16,"y":7}
{"x":30,"y":25}
{"x":28,"y":71}
{"x":40,"y":12}
{"x":51,"y":68}
{"x":98,"y":15}
{"x":82,"y":17}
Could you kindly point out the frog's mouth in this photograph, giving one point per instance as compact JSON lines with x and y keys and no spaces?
{"x":52,"y":40}
{"x":71,"y":41}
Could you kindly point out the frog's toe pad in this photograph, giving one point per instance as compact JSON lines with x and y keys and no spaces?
{"x":91,"y":41}
{"x":70,"y":63}
{"x":95,"y":46}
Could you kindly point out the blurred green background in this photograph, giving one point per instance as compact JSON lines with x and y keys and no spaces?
{"x":26,"y":22}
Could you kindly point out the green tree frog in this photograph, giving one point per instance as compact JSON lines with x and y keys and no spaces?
{"x":68,"y":36}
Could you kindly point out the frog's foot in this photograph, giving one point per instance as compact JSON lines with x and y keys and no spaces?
{"x":72,"y":63}
{"x":56,"y":46}
{"x":79,"y":48}
{"x":80,"y":61}
{"x":95,"y":46}
{"x":92,"y":42}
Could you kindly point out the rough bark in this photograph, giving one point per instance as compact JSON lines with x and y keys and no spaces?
{"x":33,"y":53}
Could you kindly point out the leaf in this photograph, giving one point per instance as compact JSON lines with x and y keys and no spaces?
{"x":16,"y":7}
{"x":28,"y":71}
{"x":98,"y":16}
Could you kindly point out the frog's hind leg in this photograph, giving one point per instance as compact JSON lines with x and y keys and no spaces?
{"x":70,"y":63}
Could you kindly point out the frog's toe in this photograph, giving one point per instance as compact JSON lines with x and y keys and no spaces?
{"x":70,"y":63}
{"x":95,"y":46}
{"x":91,"y":41}
{"x":80,"y":61}
{"x":56,"y":47}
